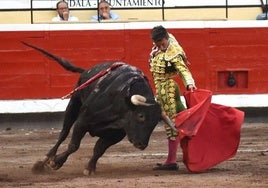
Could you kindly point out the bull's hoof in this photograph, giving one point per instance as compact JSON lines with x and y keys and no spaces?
{"x":53,"y":165}
{"x":40,"y":167}
{"x":87,"y":172}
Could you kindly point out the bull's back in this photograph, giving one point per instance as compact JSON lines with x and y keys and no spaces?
{"x":113,"y":81}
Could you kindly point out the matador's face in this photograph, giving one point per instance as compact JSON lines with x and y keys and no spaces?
{"x":162,"y":44}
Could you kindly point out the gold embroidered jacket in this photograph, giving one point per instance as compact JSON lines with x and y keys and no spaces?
{"x":165,"y":65}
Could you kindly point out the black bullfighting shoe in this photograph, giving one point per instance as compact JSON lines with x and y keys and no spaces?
{"x":171,"y":166}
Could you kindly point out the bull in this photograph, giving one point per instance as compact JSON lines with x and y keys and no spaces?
{"x":117,"y":104}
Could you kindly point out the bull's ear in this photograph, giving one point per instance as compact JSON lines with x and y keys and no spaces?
{"x":139,"y":100}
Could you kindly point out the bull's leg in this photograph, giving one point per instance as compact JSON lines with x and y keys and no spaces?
{"x":78,"y":133}
{"x":71,"y":114}
{"x":100,"y":147}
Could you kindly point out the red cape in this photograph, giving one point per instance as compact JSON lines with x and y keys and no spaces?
{"x":209,"y":133}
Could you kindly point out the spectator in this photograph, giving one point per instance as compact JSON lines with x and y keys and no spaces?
{"x":263,"y":16}
{"x":63,"y":13}
{"x":104,"y":12}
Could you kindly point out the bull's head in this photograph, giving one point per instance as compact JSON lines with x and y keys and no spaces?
{"x":143,"y":118}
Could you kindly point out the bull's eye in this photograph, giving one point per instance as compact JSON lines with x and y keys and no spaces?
{"x":141,"y":117}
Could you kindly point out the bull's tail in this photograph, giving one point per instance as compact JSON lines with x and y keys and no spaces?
{"x":63,"y":62}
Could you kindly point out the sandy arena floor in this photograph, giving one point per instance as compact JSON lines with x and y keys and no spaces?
{"x":124,"y":166}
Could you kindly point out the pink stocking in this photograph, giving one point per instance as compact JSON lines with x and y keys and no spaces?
{"x":172,"y":150}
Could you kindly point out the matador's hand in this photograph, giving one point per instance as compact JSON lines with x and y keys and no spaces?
{"x":191,"y":87}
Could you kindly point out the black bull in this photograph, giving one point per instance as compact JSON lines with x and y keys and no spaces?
{"x":118,"y":104}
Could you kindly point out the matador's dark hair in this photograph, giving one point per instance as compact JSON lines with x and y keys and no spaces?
{"x":158,"y":33}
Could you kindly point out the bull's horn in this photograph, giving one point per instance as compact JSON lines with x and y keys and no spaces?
{"x":139,"y":100}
